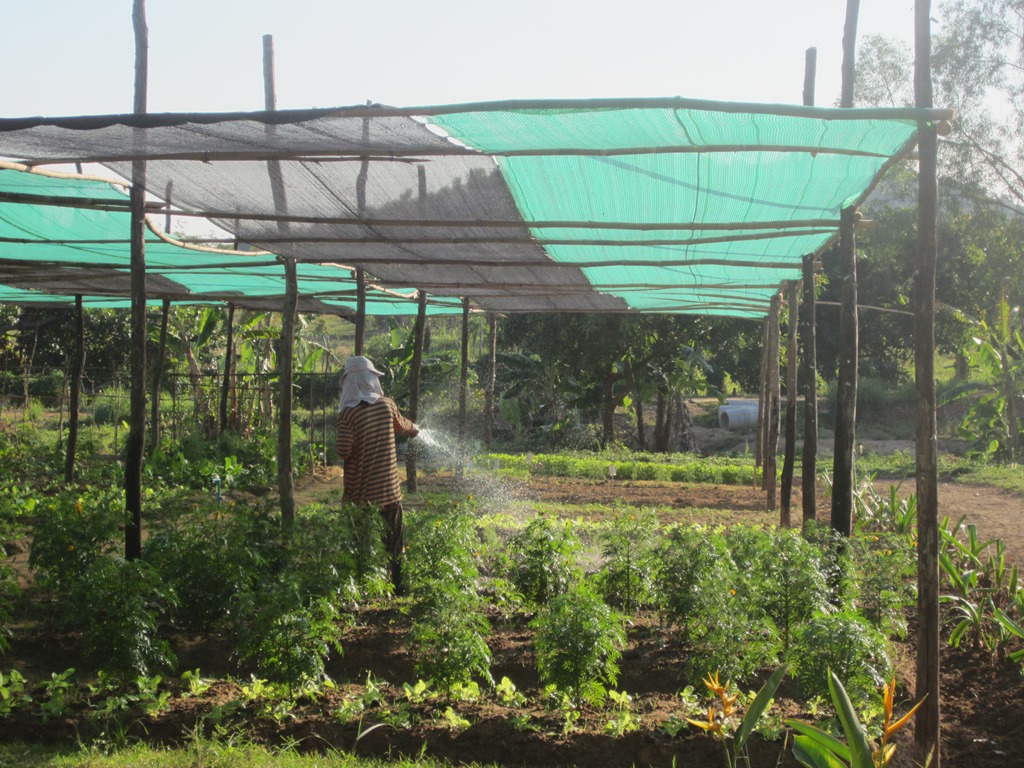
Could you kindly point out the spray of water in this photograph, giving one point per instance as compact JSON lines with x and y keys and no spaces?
{"x":441,"y":451}
{"x":427,"y":438}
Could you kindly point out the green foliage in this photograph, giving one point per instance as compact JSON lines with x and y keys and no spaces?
{"x":196,"y":461}
{"x":983,"y":591}
{"x":337,"y":552}
{"x":886,"y":565}
{"x":676,"y":467}
{"x":442,"y":542}
{"x":209,"y":556}
{"x":545,"y":559}
{"x":844,"y":643}
{"x":991,"y":421}
{"x":291,"y":644}
{"x":836,"y":562}
{"x":876,"y":513}
{"x":72,"y":531}
{"x":449,"y":639}
{"x":116,"y":604}
{"x":780,"y":576}
{"x":12,"y":693}
{"x":695,"y":578}
{"x":578,"y":642}
{"x":626,"y":578}
{"x":450,"y":627}
{"x":111,"y":406}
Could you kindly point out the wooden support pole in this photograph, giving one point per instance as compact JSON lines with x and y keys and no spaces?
{"x":225,"y":386}
{"x":846,"y":394}
{"x":846,"y":386}
{"x":360,"y":309}
{"x":414,"y":384}
{"x":137,"y":409}
{"x":492,"y":370}
{"x":809,"y":466}
{"x":762,"y":405}
{"x":285,"y":368}
{"x":808,"y":320}
{"x":926,"y":725}
{"x":463,"y":389}
{"x":158,"y":372}
{"x":771,"y":452}
{"x":785,"y":519}
{"x":286,"y":344}
{"x":849,"y":53}
{"x":77,"y":366}
{"x":810,"y":74}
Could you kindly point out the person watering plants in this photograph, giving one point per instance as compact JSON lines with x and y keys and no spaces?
{"x":367,"y":425}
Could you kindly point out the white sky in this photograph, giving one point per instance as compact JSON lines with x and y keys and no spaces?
{"x":71,"y":57}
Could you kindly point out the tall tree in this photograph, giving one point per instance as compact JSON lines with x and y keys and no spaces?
{"x":978,"y":69}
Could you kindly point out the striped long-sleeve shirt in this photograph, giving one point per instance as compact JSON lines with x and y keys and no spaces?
{"x":366,"y":441}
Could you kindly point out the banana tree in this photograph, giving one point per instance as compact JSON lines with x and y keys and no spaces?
{"x":992,"y":419}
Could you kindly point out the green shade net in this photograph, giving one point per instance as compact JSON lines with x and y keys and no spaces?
{"x":36,"y":237}
{"x":757,"y":192}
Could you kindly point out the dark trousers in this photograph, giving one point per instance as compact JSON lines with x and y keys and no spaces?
{"x":394,"y":543}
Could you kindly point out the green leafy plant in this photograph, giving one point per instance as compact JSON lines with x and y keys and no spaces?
{"x":290,"y":645}
{"x":73,"y":531}
{"x":816,"y":748}
{"x":626,"y":577}
{"x":723,"y":721}
{"x":623,"y":720}
{"x":843,"y":642}
{"x":449,"y":630}
{"x":508,"y":694}
{"x":117,"y":604}
{"x":885,"y":565}
{"x":544,"y":559}
{"x":578,"y":643}
{"x":195,"y":684}
{"x":454,"y":721}
{"x":695,"y":577}
{"x":60,"y":692}
{"x":12,"y":692}
{"x":780,"y":575}
{"x":718,"y":623}
{"x":449,"y":640}
{"x":211,"y":555}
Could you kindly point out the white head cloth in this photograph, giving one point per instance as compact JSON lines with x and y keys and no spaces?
{"x":359,"y":383}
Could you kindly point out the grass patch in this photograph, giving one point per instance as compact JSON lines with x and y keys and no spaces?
{"x":211,"y":754}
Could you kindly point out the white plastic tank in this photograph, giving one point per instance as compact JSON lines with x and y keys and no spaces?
{"x":736,"y":414}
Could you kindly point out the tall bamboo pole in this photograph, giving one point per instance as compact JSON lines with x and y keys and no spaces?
{"x":808,"y":320}
{"x":225,"y":386}
{"x":158,"y":372}
{"x":77,"y":366}
{"x":137,"y":411}
{"x":360,"y":309}
{"x":846,"y":388}
{"x":771,"y":451}
{"x":809,"y":468}
{"x":492,"y":370}
{"x":849,"y":348}
{"x":762,"y":405}
{"x":285,"y":366}
{"x":849,"y":53}
{"x":414,"y":384}
{"x":285,"y":348}
{"x":810,"y":73}
{"x":463,"y":388}
{"x":785,"y":518}
{"x":926,"y":726}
